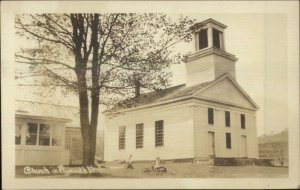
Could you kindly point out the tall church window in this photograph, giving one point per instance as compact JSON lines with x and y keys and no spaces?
{"x":139,"y":135}
{"x":227,"y":118}
{"x":228,"y":140}
{"x":243,"y":121}
{"x":210,"y":116}
{"x":122,"y":130}
{"x":216,"y":38}
{"x":159,"y":133}
{"x":203,"y":41}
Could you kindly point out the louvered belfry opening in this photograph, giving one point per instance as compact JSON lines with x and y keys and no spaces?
{"x":203,"y":41}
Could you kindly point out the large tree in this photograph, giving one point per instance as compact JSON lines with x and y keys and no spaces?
{"x":102,"y":58}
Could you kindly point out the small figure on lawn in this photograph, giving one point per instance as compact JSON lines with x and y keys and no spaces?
{"x":128,"y":164}
{"x":157,"y":167}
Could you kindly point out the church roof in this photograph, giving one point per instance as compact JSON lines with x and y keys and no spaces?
{"x":48,"y":111}
{"x":160,"y":95}
{"x":210,"y":20}
{"x":172,"y":93}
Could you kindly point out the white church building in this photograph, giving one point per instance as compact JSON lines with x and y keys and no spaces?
{"x":210,"y":116}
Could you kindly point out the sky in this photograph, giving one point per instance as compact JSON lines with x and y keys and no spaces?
{"x":262,"y":36}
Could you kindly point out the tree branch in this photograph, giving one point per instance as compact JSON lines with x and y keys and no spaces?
{"x":43,"y":60}
{"x":41,"y":37}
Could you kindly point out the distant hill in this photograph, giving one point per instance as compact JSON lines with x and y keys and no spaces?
{"x":278,"y":137}
{"x":274,"y":147}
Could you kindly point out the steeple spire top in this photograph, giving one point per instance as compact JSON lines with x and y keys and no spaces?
{"x":210,"y":59}
{"x":209,"y":33}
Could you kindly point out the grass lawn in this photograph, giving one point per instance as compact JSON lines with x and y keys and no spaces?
{"x":178,"y":170}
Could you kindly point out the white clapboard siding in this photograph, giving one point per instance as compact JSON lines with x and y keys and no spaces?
{"x":178,"y":135}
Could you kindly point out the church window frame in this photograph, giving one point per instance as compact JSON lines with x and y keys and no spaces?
{"x":139,"y":135}
{"x":122,"y":137}
{"x":227,"y":118}
{"x":159,"y":133}
{"x":210,"y":116}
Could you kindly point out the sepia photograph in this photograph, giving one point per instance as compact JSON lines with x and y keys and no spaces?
{"x":140,"y":94}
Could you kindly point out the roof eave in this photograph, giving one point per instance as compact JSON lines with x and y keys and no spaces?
{"x":190,"y":96}
{"x":210,"y":20}
{"x":209,"y":51}
{"x":64,"y":120}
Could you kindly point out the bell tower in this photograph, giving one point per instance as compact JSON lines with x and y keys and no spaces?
{"x":210,"y":60}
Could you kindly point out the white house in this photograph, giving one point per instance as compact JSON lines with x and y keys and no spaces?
{"x":47,"y":134}
{"x":209,"y":116}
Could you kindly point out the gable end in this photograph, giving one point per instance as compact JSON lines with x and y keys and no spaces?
{"x":226,"y":90}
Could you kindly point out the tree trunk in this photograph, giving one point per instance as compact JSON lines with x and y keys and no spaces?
{"x":81,"y":59}
{"x":93,"y":126}
{"x":95,"y":91}
{"x":84,"y":122}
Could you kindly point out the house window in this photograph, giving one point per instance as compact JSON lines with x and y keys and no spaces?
{"x":56,"y":136}
{"x":228,"y":140}
{"x":18,"y":134}
{"x":227,"y":118}
{"x":44,"y":135}
{"x":139,"y":135}
{"x":159,"y":133}
{"x":216,"y":38}
{"x":203,"y":42}
{"x":122,"y":137}
{"x":243,"y":121}
{"x":210,"y":116}
{"x":39,"y":134}
{"x":31,"y":133}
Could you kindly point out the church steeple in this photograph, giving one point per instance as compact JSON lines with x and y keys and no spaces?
{"x":210,"y":33}
{"x":210,"y":59}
